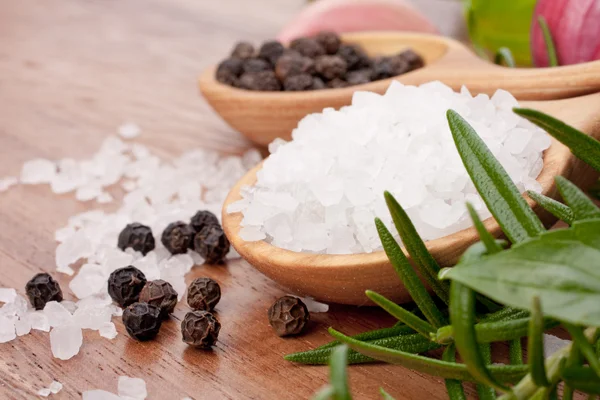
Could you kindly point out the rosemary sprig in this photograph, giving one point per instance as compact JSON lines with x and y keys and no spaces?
{"x":550,"y":49}
{"x":559,"y":210}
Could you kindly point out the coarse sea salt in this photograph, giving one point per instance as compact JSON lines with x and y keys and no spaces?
{"x":54,"y":388}
{"x":128,"y":389}
{"x":320,"y":192}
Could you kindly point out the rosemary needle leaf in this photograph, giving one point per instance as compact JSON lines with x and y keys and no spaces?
{"x":337,"y":371}
{"x":484,"y":235}
{"x":559,"y":210}
{"x":409,"y":277}
{"x":550,"y":49}
{"x":504,"y":55}
{"x":385,"y":395}
{"x":431,"y":366}
{"x":415,"y":246}
{"x":453,"y":387}
{"x":497,"y":190}
{"x":486,"y":392}
{"x":585,"y":347}
{"x":410,"y":319}
{"x":582,"y":378}
{"x":535,"y":346}
{"x":583,"y":207}
{"x":583,"y":146}
{"x":325,"y":393}
{"x":515,"y":352}
{"x":462,"y":315}
{"x":397,"y":330}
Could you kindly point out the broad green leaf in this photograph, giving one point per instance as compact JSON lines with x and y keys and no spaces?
{"x":486,"y":237}
{"x":582,"y":378}
{"x":535,"y":345}
{"x":586,"y":348}
{"x":583,"y":146}
{"x":385,"y":395}
{"x":399,"y":329}
{"x":550,"y":49}
{"x":409,"y":277}
{"x":337,"y":373}
{"x":515,"y":276}
{"x":503,"y":373}
{"x":453,"y":387}
{"x":559,"y":210}
{"x":483,"y":391}
{"x":581,"y":205}
{"x":410,"y":319}
{"x":499,"y":193}
{"x":462,"y":315}
{"x":505,"y":56}
{"x":415,"y":246}
{"x":325,"y":393}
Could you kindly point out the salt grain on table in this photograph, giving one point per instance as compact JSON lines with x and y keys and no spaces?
{"x":54,"y":388}
{"x":6,"y":183}
{"x":134,"y":388}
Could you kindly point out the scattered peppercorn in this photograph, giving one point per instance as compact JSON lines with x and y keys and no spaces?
{"x":288,"y":316}
{"x":271,"y":51}
{"x":41,"y":289}
{"x":359,"y":77}
{"x":142,"y":321}
{"x":256,"y":65}
{"x":200,"y":329}
{"x":243,"y":50}
{"x":138,"y":237}
{"x":203,"y":294}
{"x":263,"y":81}
{"x":229,"y":71}
{"x":331,"y":67}
{"x":203,"y":218}
{"x":330,"y":41}
{"x":293,"y":64}
{"x":308,"y":47}
{"x":354,"y":56}
{"x":178,"y":237}
{"x":161,"y":294}
{"x":387,"y":67}
{"x":298,"y":83}
{"x":125,"y":285}
{"x":413,"y":59}
{"x":212,"y":244}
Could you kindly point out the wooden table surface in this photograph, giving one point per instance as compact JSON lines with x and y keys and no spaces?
{"x":71,"y":71}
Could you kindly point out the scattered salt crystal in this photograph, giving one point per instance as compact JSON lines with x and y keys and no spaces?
{"x":65,"y":341}
{"x":90,"y":280}
{"x":251,"y":234}
{"x":7,"y":329}
{"x":63,"y":233}
{"x":108,"y":330}
{"x":134,"y":388}
{"x":313,"y":306}
{"x":54,"y":388}
{"x":69,"y":305}
{"x":38,"y":320}
{"x":23,"y":326}
{"x":45,"y":392}
{"x":38,"y":171}
{"x":100,"y":395}
{"x":129,"y":130}
{"x":72,"y":249}
{"x":104,"y":198}
{"x":57,"y":314}
{"x":6,"y":183}
{"x":92,"y":317}
{"x":7,"y":295}
{"x":552,"y":344}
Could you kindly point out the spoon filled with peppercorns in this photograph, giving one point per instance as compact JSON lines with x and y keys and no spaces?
{"x":264,"y":91}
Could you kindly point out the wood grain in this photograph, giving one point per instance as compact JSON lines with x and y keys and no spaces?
{"x":71,"y":71}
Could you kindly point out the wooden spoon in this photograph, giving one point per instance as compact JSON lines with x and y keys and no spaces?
{"x":264,"y":116}
{"x":344,"y":278}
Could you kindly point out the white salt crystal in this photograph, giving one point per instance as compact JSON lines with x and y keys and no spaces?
{"x":69,"y":305}
{"x":251,"y":234}
{"x":63,"y":233}
{"x":6,"y":183}
{"x":132,"y":387}
{"x":314,"y":306}
{"x":92,"y":317}
{"x":7,"y":295}
{"x":100,"y":395}
{"x":45,"y":392}
{"x":72,"y":249}
{"x":38,"y":171}
{"x":552,"y":344}
{"x":55,"y":387}
{"x":104,"y":198}
{"x":7,"y":329}
{"x":23,"y":326}
{"x":38,"y":320}
{"x":57,"y":314}
{"x":65,"y":341}
{"x":108,"y":330}
{"x":90,"y":279}
{"x":129,"y":130}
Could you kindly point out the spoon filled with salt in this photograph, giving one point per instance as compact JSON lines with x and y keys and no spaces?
{"x":343,"y":278}
{"x":264,"y":116}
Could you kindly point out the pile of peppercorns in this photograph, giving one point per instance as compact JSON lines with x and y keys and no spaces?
{"x":147,"y":304}
{"x":310,"y":63}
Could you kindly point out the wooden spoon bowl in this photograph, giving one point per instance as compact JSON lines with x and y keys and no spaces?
{"x":264,"y":116}
{"x":344,"y":278}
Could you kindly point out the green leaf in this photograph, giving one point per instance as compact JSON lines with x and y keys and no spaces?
{"x":401,"y":314}
{"x":582,"y":378}
{"x":505,"y":314}
{"x":550,"y":49}
{"x":486,"y":237}
{"x":411,"y":343}
{"x":385,"y":395}
{"x":585,"y":347}
{"x":399,"y":329}
{"x":515,"y":352}
{"x":325,"y":393}
{"x":535,"y":345}
{"x":453,"y":386}
{"x":486,"y":392}
{"x":409,"y":277}
{"x":559,"y":210}
{"x":575,"y":359}
{"x":503,"y":373}
{"x":583,"y":207}
{"x":499,"y":193}
{"x":462,"y":315}
{"x":583,"y":146}
{"x":424,"y":261}
{"x":337,"y":373}
{"x":505,"y":56}
{"x":530,"y":269}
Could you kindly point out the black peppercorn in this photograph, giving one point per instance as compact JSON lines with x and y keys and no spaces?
{"x":229,"y":71}
{"x":293,"y":64}
{"x":203,"y":294}
{"x":243,"y":51}
{"x":330,"y":41}
{"x":298,"y":83}
{"x":200,"y":329}
{"x":203,"y":218}
{"x":212,"y":244}
{"x":359,"y":77}
{"x":387,"y":67}
{"x":41,"y":289}
{"x":318,"y":83}
{"x":271,"y":51}
{"x":177,"y":237}
{"x":142,"y":321}
{"x":331,"y":67}
{"x":256,"y":65}
{"x":354,"y":56}
{"x":264,"y":81}
{"x":337,"y":83}
{"x":125,"y":285}
{"x":308,"y":47}
{"x":288,"y":316}
{"x":161,"y":294}
{"x":413,"y":59}
{"x":138,"y":237}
